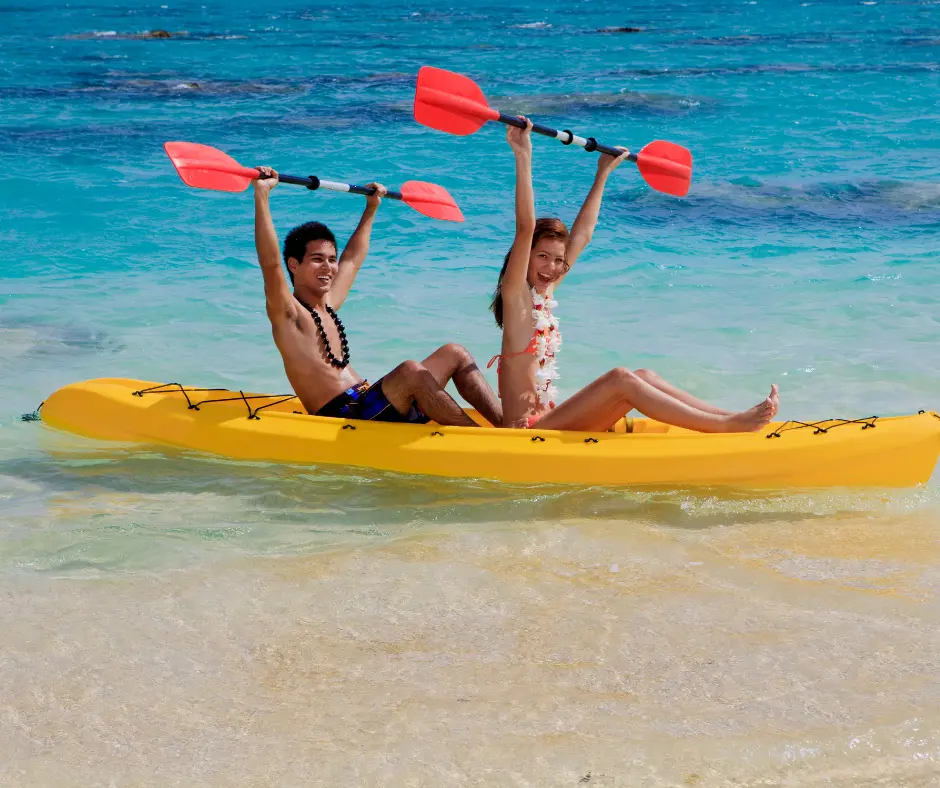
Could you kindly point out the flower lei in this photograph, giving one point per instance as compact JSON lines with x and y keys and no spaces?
{"x":547,"y":345}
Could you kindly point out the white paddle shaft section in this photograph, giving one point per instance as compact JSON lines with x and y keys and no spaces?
{"x":562,"y":136}
{"x":334,"y":186}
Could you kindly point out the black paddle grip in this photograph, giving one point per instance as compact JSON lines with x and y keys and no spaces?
{"x":311,"y":183}
{"x":369,"y":190}
{"x":614,"y":151}
{"x":512,"y":120}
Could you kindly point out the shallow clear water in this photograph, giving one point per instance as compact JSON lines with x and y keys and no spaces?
{"x":172,"y":619}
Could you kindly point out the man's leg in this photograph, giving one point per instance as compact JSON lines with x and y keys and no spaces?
{"x":411,"y":382}
{"x":454,"y":362}
{"x":683,"y":396}
{"x":597,"y":406}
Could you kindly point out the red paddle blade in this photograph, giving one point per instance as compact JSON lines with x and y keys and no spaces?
{"x":666,"y":167}
{"x":450,"y":102}
{"x":205,"y":167}
{"x":431,"y":200}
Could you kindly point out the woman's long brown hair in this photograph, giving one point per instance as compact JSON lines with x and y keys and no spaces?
{"x":548,"y":227}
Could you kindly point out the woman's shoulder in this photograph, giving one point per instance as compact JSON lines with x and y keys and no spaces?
{"x":517,"y":312}
{"x":520,"y":291}
{"x":517,"y":300}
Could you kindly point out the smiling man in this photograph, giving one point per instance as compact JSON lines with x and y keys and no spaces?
{"x":312,"y":341}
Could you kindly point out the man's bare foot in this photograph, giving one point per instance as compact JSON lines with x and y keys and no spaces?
{"x":757,"y":417}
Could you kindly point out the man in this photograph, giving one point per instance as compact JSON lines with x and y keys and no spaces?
{"x":309,"y":334}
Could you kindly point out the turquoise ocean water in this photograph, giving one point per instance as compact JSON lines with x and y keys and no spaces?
{"x":173,"y":619}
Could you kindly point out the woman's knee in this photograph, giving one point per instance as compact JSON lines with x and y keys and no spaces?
{"x":623,"y":377}
{"x":646,"y":374}
{"x":621,"y":373}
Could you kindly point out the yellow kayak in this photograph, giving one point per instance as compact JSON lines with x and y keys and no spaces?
{"x":899,"y":451}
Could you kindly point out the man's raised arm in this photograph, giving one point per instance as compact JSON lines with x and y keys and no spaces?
{"x":280,"y":300}
{"x":354,"y":254}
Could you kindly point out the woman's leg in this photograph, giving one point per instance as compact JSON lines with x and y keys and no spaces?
{"x":673,"y":391}
{"x":597,"y":406}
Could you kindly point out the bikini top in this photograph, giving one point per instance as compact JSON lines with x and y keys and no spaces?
{"x":544,"y":345}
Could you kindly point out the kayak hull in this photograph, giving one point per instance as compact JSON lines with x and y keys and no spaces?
{"x":898,"y":451}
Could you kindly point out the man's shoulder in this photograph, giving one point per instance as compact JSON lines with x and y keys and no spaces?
{"x":285,"y":314}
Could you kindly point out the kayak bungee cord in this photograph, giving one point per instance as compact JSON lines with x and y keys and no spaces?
{"x":867,"y":423}
{"x":819,"y":427}
{"x":178,"y":388}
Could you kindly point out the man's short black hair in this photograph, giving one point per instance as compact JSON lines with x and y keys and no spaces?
{"x":295,"y":245}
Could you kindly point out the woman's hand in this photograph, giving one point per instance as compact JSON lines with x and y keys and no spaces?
{"x":606,"y":164}
{"x":520,"y":140}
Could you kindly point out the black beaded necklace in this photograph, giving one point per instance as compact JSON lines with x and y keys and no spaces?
{"x":336,"y":362}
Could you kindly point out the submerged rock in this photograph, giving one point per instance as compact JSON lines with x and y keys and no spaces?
{"x":620,"y":30}
{"x":574,"y":103}
{"x":145,"y":35}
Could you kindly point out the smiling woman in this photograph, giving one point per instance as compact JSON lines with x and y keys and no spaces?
{"x":542,"y":254}
{"x":548,"y":260}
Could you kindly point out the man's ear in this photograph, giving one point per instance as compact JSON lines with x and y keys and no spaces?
{"x":292,"y":264}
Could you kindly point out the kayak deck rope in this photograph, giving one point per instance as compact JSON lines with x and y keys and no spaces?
{"x":178,"y":388}
{"x":818,"y":429}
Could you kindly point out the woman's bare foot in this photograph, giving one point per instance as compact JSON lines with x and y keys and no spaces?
{"x":757,"y":417}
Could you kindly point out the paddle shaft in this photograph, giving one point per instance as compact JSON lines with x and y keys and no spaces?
{"x":566,"y":137}
{"x":313,"y":183}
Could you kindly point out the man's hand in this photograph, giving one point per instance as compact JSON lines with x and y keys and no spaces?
{"x":606,"y":164}
{"x":520,"y":140}
{"x":373,"y":200}
{"x":266,"y":182}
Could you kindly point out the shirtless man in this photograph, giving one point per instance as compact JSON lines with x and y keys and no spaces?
{"x":312,"y":342}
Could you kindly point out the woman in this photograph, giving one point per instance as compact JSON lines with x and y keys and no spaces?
{"x":541,"y":256}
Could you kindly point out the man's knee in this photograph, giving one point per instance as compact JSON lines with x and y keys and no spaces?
{"x":457,"y":353}
{"x":408,"y":371}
